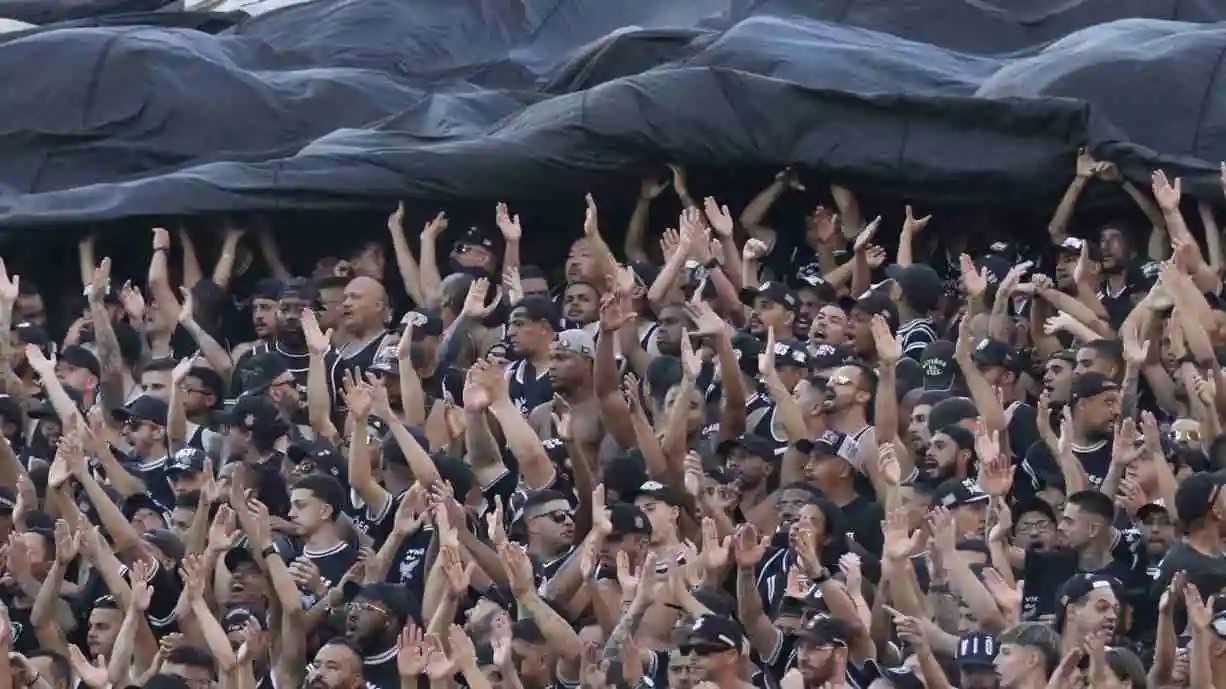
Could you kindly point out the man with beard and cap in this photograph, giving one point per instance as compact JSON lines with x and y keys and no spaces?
{"x":531,"y":330}
{"x":967,"y":504}
{"x":1028,"y":655}
{"x":812,"y":293}
{"x":823,"y":654}
{"x":831,"y":468}
{"x":477,"y":249}
{"x":1158,"y":530}
{"x":290,"y":345}
{"x":265,"y":375}
{"x":263,"y":305}
{"x":1087,"y":544}
{"x":751,"y":460}
{"x":919,"y":291}
{"x":999,"y":365}
{"x":376,"y":615}
{"x":772,"y":305}
{"x":186,"y":471}
{"x":1096,"y":409}
{"x":144,"y":424}
{"x":1067,"y":254}
{"x":1123,"y":280}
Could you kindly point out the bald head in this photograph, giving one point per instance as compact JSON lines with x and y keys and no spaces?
{"x":364,"y":310}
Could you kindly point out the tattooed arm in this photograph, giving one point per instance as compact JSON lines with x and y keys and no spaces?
{"x":1129,"y":392}
{"x":626,"y":627}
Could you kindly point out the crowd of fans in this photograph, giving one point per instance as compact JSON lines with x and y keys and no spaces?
{"x":779,"y":458}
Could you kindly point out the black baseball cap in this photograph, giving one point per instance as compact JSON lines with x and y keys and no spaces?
{"x":138,"y":501}
{"x":628,"y":519}
{"x":825,"y":355}
{"x":1073,"y":245}
{"x":258,"y":371}
{"x":1078,"y":586}
{"x":996,"y":353}
{"x":878,"y":303}
{"x":791,"y":353}
{"x":237,"y":617}
{"x":955,"y":493}
{"x":268,"y":289}
{"x":187,"y":460}
{"x":747,"y":348}
{"x":658,"y":491}
{"x":976,"y":651}
{"x":772,"y":291}
{"x":1196,"y":494}
{"x":824,"y":629}
{"x":818,"y":285}
{"x":81,"y":357}
{"x":941,"y":371}
{"x":921,"y":285}
{"x":1091,"y":384}
{"x":710,"y":634}
{"x":320,"y":452}
{"x":143,"y":408}
{"x":251,"y":412}
{"x":829,"y":444}
{"x":299,"y":288}
{"x":752,"y":443}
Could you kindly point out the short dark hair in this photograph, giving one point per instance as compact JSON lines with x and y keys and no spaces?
{"x":326,"y":489}
{"x":1108,"y":349}
{"x":1038,"y":636}
{"x":191,"y":657}
{"x":1094,"y":502}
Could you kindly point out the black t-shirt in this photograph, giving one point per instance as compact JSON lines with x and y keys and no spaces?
{"x":1047,"y":571}
{"x":360,"y":360}
{"x":406,"y":567}
{"x":1039,"y":467}
{"x":528,"y":387}
{"x":379,"y":670}
{"x":1207,"y":573}
{"x":863,"y":518}
{"x":333,"y":563}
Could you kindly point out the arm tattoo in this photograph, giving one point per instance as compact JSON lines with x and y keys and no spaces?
{"x":454,"y":340}
{"x":1128,"y":405}
{"x":626,"y":628}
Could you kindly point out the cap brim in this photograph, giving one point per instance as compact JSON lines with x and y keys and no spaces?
{"x":974,"y":500}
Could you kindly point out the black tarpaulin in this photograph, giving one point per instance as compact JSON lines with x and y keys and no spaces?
{"x":346,"y":103}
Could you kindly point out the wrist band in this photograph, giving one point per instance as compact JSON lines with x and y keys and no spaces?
{"x":269,"y":552}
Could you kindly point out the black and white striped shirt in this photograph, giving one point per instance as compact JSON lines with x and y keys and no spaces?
{"x":915,"y":335}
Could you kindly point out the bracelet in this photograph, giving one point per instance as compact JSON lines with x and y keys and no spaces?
{"x":160,"y":248}
{"x":269,"y":552}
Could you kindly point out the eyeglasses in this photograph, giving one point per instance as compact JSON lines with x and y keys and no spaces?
{"x":1034,"y":527}
{"x":306,"y":466}
{"x":556,"y":516}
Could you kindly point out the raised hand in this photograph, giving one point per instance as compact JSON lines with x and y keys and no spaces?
{"x":142,"y":592}
{"x":900,"y":543}
{"x":412,"y":655}
{"x":44,"y":366}
{"x":913,"y":225}
{"x":507,"y":223}
{"x":602,"y":522}
{"x":591,"y":218}
{"x":975,"y":280}
{"x":719,"y":217}
{"x":715,"y":551}
{"x":434,"y":228}
{"x":889,"y":348}
{"x":318,"y":342}
{"x":1165,"y":193}
{"x":887,"y":463}
{"x":458,"y":576}
{"x":563,"y":418}
{"x":67,"y":543}
{"x":519,"y":569}
{"x":475,"y":306}
{"x":706,"y":321}
{"x":691,"y":362}
{"x":866,"y":235}
{"x":754,"y":250}
{"x":790,"y":177}
{"x":749,"y":546}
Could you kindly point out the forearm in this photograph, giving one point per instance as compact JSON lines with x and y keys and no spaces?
{"x":431,"y":280}
{"x":625,"y":630}
{"x":1057,"y":227}
{"x":557,"y":631}
{"x":454,"y":339}
{"x":210,"y":349}
{"x":410,"y":273}
{"x":412,"y":397}
{"x":223,"y":271}
{"x":319,"y":401}
{"x":904,"y":248}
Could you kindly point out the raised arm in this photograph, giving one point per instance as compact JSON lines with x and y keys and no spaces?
{"x":410,"y":272}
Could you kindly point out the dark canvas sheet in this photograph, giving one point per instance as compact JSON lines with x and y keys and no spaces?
{"x":345,"y":103}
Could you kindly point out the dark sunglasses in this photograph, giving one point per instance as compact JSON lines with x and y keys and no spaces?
{"x":556,"y":516}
